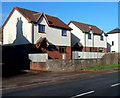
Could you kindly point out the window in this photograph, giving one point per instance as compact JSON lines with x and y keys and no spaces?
{"x":90,"y":49}
{"x":50,"y":22}
{"x":113,"y":51}
{"x":101,"y":37}
{"x":41,"y":28}
{"x":62,"y":49}
{"x":64,"y":32}
{"x":89,"y":36}
{"x":100,"y":49}
{"x":112,"y":43}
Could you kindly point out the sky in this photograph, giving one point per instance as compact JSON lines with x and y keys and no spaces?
{"x":104,"y":15}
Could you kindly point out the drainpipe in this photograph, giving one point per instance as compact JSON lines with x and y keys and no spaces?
{"x":32,"y":33}
{"x":85,"y":41}
{"x":93,"y":41}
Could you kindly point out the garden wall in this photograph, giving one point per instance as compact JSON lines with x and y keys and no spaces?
{"x":76,"y":65}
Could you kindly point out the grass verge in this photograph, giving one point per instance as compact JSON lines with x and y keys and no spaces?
{"x":103,"y":67}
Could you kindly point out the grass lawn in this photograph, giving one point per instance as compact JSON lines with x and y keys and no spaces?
{"x":103,"y":67}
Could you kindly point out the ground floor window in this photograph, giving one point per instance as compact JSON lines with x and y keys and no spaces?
{"x":100,"y":49}
{"x":62,"y":49}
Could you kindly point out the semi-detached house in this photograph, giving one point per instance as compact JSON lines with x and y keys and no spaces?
{"x":87,"y":38}
{"x":113,"y":44}
{"x":45,"y":32}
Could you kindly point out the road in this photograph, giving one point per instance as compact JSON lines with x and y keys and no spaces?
{"x":105,"y":85}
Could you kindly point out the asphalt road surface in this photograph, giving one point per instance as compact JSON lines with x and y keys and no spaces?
{"x":105,"y":85}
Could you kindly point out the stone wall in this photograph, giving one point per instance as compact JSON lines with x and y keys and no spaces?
{"x":70,"y":65}
{"x":76,"y":65}
{"x":110,"y":58}
{"x":119,"y":58}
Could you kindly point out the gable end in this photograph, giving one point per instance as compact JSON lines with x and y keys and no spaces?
{"x":15,"y":8}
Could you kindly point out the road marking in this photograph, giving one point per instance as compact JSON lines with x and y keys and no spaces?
{"x":115,"y":84}
{"x":83,"y":94}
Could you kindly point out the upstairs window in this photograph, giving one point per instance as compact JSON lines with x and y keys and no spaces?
{"x":50,"y":22}
{"x":41,"y":28}
{"x":101,"y":37}
{"x":89,"y":36}
{"x":112,"y":43}
{"x":64,"y":32}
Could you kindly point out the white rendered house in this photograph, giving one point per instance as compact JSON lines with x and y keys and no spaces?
{"x":114,"y":40}
{"x":1,"y":36}
{"x":87,"y":38}
{"x":24,"y":27}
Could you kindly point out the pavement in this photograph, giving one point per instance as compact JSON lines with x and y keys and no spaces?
{"x":74,"y":84}
{"x":33,"y":78}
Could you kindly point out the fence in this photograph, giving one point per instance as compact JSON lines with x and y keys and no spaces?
{"x":86,"y":55}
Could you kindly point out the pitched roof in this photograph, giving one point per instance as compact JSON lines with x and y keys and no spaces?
{"x":116,"y":30}
{"x":86,"y":27}
{"x":33,"y":16}
{"x":56,"y":22}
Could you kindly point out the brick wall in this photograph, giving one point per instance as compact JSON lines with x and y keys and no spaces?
{"x":93,"y":49}
{"x":38,"y":66}
{"x":105,"y":50}
{"x":57,"y":55}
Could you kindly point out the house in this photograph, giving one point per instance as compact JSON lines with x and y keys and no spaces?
{"x":87,"y":38}
{"x":1,"y":36}
{"x":47,"y":33}
{"x":113,"y":40}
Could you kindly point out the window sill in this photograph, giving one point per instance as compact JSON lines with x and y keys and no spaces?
{"x":64,"y":35}
{"x":41,"y":32}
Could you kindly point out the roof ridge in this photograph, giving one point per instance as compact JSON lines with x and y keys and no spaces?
{"x":51,"y":16}
{"x":25,"y":9}
{"x":113,"y":31}
{"x":85,"y":27}
{"x":117,"y":28}
{"x":84,"y":23}
{"x":38,"y":13}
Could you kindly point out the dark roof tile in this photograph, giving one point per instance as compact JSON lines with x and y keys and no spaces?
{"x":34,"y":17}
{"x":29,"y":14}
{"x":86,"y":27}
{"x":56,"y":22}
{"x":116,"y":30}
